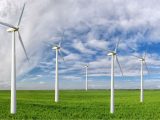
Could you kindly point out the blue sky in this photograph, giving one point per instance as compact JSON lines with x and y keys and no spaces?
{"x":89,"y":28}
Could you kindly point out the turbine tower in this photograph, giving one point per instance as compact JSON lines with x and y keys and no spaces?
{"x":86,"y":67}
{"x":114,"y":56}
{"x":57,"y":48}
{"x":13,"y":29}
{"x":143,"y":63}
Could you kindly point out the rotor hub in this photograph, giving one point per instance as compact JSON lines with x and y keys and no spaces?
{"x":86,"y":66}
{"x":142,"y":59}
{"x":56,"y":48}
{"x":112,"y":53}
{"x":12,"y":29}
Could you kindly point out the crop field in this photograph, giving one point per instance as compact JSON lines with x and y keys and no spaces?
{"x":79,"y":104}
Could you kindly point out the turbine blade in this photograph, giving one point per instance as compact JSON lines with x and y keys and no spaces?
{"x":61,"y":39}
{"x":59,"y":51}
{"x":116,"y":48}
{"x":20,"y":18}
{"x":136,"y":56}
{"x":146,"y":67}
{"x":8,"y":25}
{"x":145,"y":54}
{"x":20,"y":39}
{"x":119,"y":65}
{"x":49,"y":44}
{"x":108,"y":51}
{"x":86,"y":65}
{"x":132,"y":49}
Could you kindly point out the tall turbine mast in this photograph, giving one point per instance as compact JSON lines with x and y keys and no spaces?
{"x":143,"y":63}
{"x":57,"y":48}
{"x":141,"y":93}
{"x":86,"y":67}
{"x":13,"y":29}
{"x":114,"y":56}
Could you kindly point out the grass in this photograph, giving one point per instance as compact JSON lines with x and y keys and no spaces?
{"x":79,"y":104}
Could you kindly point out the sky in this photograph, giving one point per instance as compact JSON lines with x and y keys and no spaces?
{"x":88,"y":28}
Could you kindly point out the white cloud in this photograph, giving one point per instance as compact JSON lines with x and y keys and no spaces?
{"x":101,"y":44}
{"x":81,"y":47}
{"x":72,"y":57}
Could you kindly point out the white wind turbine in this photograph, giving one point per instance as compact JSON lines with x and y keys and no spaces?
{"x":57,"y":48}
{"x":114,"y":56}
{"x":86,"y":67}
{"x":143,"y":62}
{"x":13,"y":29}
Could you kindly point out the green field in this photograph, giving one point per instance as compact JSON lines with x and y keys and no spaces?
{"x":80,"y":104}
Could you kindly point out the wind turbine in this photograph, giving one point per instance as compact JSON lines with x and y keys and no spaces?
{"x":143,"y":62}
{"x":13,"y":29}
{"x":114,"y":56}
{"x":57,"y":48}
{"x":86,"y":67}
